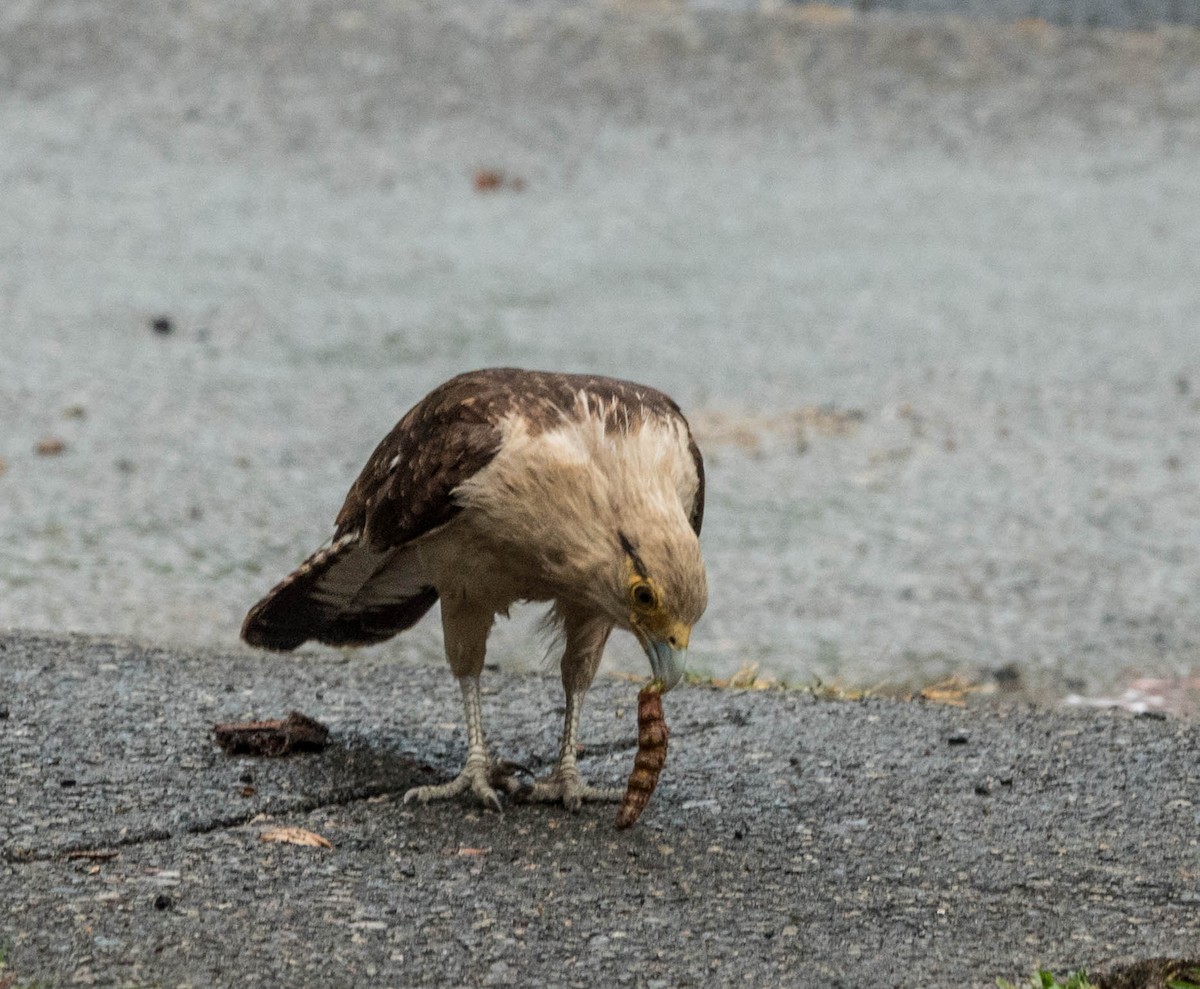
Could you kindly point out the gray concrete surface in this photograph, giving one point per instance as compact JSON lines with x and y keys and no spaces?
{"x":978,"y":239}
{"x":791,"y":841}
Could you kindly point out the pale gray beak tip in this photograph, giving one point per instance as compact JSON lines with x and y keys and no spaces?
{"x":666,"y":662}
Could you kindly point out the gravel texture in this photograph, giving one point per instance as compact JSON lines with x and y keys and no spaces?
{"x":790,"y":841}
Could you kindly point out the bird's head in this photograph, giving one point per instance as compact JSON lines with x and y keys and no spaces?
{"x":664,"y":593}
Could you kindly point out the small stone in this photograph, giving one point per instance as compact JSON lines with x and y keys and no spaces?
{"x":49,"y":446}
{"x":499,"y":974}
{"x":162,"y":325}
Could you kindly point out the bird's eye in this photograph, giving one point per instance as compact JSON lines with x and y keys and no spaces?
{"x":643,"y":596}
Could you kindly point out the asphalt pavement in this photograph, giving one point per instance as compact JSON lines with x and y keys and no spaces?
{"x":928,"y":286}
{"x":791,"y":841}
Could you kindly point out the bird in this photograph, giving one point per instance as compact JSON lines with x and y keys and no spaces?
{"x":504,"y":486}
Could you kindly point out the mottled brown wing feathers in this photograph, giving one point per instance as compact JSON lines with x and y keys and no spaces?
{"x":406,"y":488}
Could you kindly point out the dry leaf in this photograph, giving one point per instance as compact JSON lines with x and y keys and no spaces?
{"x":747,"y":678}
{"x":296,"y":836}
{"x":473,"y":851}
{"x":824,"y":14}
{"x":953,"y":691}
{"x":488,"y":180}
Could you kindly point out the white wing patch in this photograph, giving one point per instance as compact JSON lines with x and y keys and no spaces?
{"x":361,"y":579}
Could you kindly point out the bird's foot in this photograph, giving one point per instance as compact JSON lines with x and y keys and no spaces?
{"x":482,"y":777}
{"x":566,"y":786}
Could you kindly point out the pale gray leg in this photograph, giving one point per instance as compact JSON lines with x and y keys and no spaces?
{"x":480,"y":775}
{"x":585,"y":639}
{"x":564,"y":783}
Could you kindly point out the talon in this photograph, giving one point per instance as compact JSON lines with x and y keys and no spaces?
{"x":480,"y":777}
{"x":566,"y":788}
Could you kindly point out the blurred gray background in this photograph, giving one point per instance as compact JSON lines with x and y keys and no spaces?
{"x":1073,"y":13}
{"x":926,"y":286}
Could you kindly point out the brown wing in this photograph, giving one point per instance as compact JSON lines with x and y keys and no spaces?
{"x":365,"y":587}
{"x":406,"y":489}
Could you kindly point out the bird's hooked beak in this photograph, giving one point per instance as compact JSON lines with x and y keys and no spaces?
{"x":668,"y":655}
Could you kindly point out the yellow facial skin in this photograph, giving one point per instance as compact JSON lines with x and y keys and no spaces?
{"x":648,"y":616}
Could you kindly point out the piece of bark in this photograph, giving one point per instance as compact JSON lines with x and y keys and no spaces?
{"x":295,"y":733}
{"x":651,"y":755}
{"x":94,"y":854}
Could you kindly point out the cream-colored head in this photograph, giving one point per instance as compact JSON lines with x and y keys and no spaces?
{"x":665,"y":593}
{"x":600,"y":518}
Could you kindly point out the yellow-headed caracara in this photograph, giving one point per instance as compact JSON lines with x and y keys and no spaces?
{"x":500,"y":486}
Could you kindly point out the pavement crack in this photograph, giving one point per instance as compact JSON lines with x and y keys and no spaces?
{"x":148,"y":836}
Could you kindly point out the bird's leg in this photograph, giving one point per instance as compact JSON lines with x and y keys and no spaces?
{"x":564,"y":783}
{"x":481,"y":775}
{"x":466,"y":628}
{"x":585,"y":638}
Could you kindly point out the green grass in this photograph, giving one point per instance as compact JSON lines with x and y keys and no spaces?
{"x":1048,"y":980}
{"x":1174,"y":977}
{"x":1189,"y":980}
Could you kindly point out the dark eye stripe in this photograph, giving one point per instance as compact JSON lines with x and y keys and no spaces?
{"x":638,"y":566}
